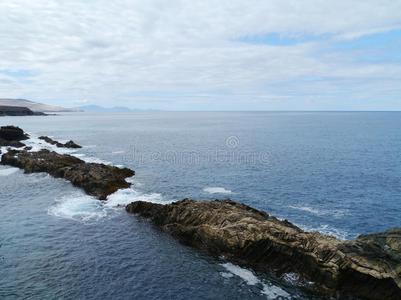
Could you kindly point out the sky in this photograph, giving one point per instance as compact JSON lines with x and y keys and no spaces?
{"x":203,"y":54}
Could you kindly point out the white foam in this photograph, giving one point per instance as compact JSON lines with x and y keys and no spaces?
{"x":217,"y":190}
{"x":307,"y":209}
{"x":125,"y":196}
{"x":336,"y":213}
{"x":271,"y":291}
{"x":8,"y":171}
{"x":328,"y":230}
{"x":90,"y":159}
{"x":245,"y":274}
{"x":78,"y":207}
{"x":38,"y":144}
{"x":118,"y":152}
{"x":81,"y":207}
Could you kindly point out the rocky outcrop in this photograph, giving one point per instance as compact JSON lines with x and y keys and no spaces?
{"x":368,"y":267}
{"x":98,"y":180}
{"x":69,"y":144}
{"x":12,"y":136}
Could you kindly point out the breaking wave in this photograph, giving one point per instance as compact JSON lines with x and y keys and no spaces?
{"x":271,"y":291}
{"x":336,"y":213}
{"x":217,"y":190}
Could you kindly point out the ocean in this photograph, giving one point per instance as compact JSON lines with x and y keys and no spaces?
{"x":334,"y":172}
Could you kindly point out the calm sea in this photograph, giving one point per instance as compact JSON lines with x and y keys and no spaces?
{"x":335,"y":172}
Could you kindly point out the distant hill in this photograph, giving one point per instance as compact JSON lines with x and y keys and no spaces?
{"x":34,"y":106}
{"x":18,"y":111}
{"x":97,"y":108}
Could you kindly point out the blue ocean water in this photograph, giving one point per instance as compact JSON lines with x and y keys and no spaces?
{"x":335,"y":172}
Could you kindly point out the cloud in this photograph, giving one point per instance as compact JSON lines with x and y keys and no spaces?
{"x":198,"y":54}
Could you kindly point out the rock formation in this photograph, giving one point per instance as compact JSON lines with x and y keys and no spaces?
{"x":98,"y":180}
{"x":12,"y":136}
{"x":69,"y":144}
{"x":368,"y":267}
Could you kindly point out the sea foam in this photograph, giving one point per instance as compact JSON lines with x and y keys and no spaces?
{"x":217,"y":190}
{"x":78,"y":207}
{"x":327,"y":230}
{"x":271,"y":291}
{"x":85,"y":208}
{"x":336,"y":213}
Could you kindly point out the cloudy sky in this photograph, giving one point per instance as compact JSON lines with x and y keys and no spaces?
{"x":203,"y":54}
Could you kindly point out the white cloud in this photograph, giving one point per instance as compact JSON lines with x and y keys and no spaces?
{"x":175,"y":54}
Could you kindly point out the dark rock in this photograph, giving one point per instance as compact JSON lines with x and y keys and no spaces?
{"x":15,"y":144}
{"x":98,"y":180}
{"x":12,"y":133}
{"x":12,"y":136}
{"x":69,"y":144}
{"x":368,"y":267}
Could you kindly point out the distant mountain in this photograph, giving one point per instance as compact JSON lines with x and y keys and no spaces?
{"x":35,"y":106}
{"x":97,"y":108}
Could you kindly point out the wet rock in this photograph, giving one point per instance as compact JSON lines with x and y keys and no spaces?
{"x":368,"y":267}
{"x":12,"y":136}
{"x":15,"y":144}
{"x":12,"y":133}
{"x":69,"y":144}
{"x":98,"y":180}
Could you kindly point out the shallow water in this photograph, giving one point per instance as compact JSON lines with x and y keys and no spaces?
{"x":339,"y":173}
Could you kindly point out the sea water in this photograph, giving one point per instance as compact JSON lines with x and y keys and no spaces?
{"x":334,"y":172}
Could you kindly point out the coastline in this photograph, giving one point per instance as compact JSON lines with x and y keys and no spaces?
{"x":157,"y":216}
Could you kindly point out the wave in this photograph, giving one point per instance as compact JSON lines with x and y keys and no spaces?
{"x":336,"y":213}
{"x":91,"y":159}
{"x":38,"y":144}
{"x":268,"y":289}
{"x":78,"y":207}
{"x":217,"y":190}
{"x":85,"y":208}
{"x":118,"y":152}
{"x":328,"y":230}
{"x":125,"y":196}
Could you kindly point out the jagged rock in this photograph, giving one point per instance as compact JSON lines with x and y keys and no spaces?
{"x":69,"y":144}
{"x":12,"y":136}
{"x":98,"y":180}
{"x":368,"y":267}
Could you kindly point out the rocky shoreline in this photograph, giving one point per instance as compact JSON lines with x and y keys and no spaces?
{"x":69,"y":144}
{"x":368,"y":267}
{"x":11,"y":136}
{"x":95,"y":179}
